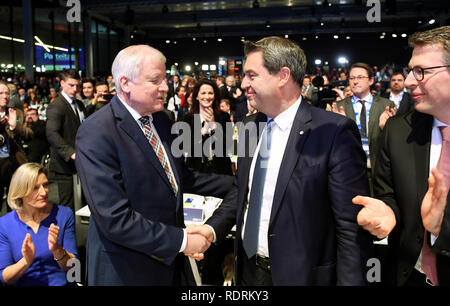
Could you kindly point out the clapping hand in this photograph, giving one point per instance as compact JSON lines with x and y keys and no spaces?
{"x":53,"y":232}
{"x":337,"y":110}
{"x":434,"y":203}
{"x":28,"y":249}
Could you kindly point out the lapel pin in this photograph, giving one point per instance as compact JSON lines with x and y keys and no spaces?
{"x":302,"y":132}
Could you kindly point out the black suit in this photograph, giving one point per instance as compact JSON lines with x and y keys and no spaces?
{"x":401,"y":182}
{"x":38,"y":145}
{"x":313,"y":237}
{"x":406,"y":104}
{"x":61,"y":130}
{"x":218,"y":164}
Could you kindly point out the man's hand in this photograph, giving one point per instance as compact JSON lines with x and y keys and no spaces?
{"x":335,"y":109}
{"x":375,"y":217}
{"x":203,"y":230}
{"x":196,"y":246}
{"x":388,"y":113}
{"x":12,"y":118}
{"x":434,"y":203}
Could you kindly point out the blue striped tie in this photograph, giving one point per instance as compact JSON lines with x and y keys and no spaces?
{"x":256,"y":194}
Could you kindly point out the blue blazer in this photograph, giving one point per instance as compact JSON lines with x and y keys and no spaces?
{"x":135,"y":231}
{"x":313,"y":236}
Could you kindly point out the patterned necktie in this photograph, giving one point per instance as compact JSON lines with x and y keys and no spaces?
{"x":157,"y":147}
{"x":251,"y":232}
{"x":443,"y":165}
{"x":362,"y":118}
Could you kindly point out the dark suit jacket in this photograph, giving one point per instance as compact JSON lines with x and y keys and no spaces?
{"x":61,"y":130}
{"x":221,"y":163}
{"x":38,"y":145}
{"x":406,"y":104}
{"x":135,"y":230}
{"x":378,"y":106}
{"x":313,"y":235}
{"x":401,"y":182}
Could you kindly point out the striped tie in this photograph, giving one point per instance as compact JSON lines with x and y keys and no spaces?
{"x":157,"y":147}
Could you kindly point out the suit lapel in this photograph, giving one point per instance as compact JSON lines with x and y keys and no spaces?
{"x":348,"y":108}
{"x":298,"y":135}
{"x":373,"y":114}
{"x":70,"y":110}
{"x":132,"y":129}
{"x":420,"y":136}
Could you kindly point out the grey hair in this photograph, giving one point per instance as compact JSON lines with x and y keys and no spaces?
{"x":128,"y":62}
{"x":280,"y":52}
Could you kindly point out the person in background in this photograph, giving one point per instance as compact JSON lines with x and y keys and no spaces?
{"x":412,"y":174}
{"x":101,"y":98}
{"x":64,"y":116}
{"x":87,"y":91}
{"x":37,"y":239}
{"x":38,"y":145}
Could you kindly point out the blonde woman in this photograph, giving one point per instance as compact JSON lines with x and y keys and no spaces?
{"x":37,"y":238}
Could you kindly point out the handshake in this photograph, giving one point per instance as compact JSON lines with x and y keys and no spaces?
{"x":199,"y":238}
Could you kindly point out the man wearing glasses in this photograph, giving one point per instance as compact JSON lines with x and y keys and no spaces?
{"x":412,"y":174}
{"x":365,"y":110}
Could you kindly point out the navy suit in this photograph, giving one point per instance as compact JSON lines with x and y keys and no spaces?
{"x":135,"y":231}
{"x":313,"y":236}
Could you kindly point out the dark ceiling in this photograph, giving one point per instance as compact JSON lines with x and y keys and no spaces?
{"x":226,"y":18}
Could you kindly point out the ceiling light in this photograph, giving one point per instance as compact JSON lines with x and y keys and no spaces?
{"x":432,"y":21}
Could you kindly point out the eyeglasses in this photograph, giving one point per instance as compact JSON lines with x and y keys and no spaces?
{"x":418,"y":72}
{"x":359,"y":78}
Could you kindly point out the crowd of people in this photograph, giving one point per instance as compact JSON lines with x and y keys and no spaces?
{"x":332,"y":139}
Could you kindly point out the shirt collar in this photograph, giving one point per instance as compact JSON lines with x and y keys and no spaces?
{"x":367,"y":98}
{"x":437,"y":123}
{"x":68,"y":99}
{"x":285,"y":119}
{"x":136,"y":116}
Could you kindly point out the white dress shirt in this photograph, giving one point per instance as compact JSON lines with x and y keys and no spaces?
{"x":396,"y":98}
{"x":279,"y":139}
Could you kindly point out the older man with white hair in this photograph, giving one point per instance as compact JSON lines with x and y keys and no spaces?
{"x":134,"y":184}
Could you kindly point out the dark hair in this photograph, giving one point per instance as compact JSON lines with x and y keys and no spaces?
{"x":280,"y":52}
{"x":69,"y":74}
{"x":87,"y":80}
{"x":398,"y":73}
{"x":196,"y":104}
{"x":177,"y":90}
{"x":101,"y":83}
{"x":365,"y":67}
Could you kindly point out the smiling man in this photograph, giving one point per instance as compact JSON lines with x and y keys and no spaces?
{"x":132,"y":182}
{"x":365,"y":109}
{"x":415,"y":147}
{"x":291,"y":204}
